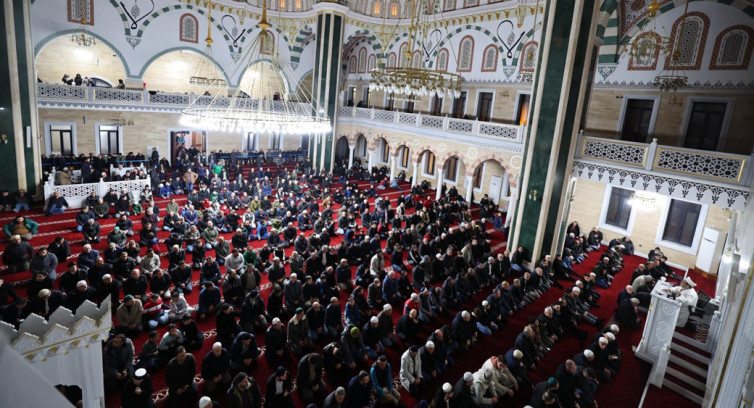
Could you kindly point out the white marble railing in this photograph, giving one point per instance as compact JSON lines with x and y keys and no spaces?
{"x":76,"y":194}
{"x":723,"y":167}
{"x":499,"y":131}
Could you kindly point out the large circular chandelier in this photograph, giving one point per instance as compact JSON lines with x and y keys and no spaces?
{"x":411,"y":80}
{"x":263,"y":104}
{"x":412,"y":83}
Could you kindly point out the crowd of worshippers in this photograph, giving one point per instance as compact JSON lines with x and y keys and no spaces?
{"x":447,"y":267}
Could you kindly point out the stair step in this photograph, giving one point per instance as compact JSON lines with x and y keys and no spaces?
{"x":688,"y":365}
{"x":691,"y":378}
{"x":682,"y":391}
{"x":691,"y":344}
{"x":704,"y":360}
{"x":683,"y":379}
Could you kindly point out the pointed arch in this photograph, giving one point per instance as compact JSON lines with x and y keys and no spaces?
{"x":489,"y":58}
{"x":188,"y":28}
{"x":688,"y":38}
{"x":733,"y":48}
{"x":465,"y":54}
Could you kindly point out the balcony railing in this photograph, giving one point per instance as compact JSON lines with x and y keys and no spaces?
{"x":135,"y":99}
{"x":498,"y":131}
{"x":723,"y":167}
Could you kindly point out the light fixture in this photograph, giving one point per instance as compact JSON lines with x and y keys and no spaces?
{"x":528,"y":76}
{"x":206,"y":72}
{"x":533,"y":195}
{"x":673,"y":79}
{"x":276,"y":111}
{"x":410,"y":80}
{"x":642,"y":201}
{"x":84,"y":39}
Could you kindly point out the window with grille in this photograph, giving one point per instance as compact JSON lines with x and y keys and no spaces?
{"x":465,"y":54}
{"x":109,"y":139}
{"x":61,"y":139}
{"x":618,"y":208}
{"x":189,"y":28}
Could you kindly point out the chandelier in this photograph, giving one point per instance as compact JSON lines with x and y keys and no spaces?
{"x":642,"y":201}
{"x":82,"y":39}
{"x":205,"y":72}
{"x":411,"y":80}
{"x":649,"y":43}
{"x":261,"y":104}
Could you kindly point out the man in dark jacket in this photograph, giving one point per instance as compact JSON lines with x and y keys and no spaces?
{"x":216,"y":368}
{"x":244,"y":393}
{"x":137,"y":393}
{"x":359,"y":392}
{"x":462,"y":391}
{"x":279,"y":390}
{"x":309,"y":380}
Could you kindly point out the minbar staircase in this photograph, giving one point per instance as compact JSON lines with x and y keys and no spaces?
{"x":687,"y":368}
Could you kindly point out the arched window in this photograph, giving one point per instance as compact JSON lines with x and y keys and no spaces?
{"x":402,"y":56}
{"x":82,"y":11}
{"x":489,"y":62}
{"x":465,"y":54}
{"x":529,"y":56}
{"x":352,"y":65}
{"x":281,"y":4}
{"x":688,"y":38}
{"x":394,"y":7}
{"x":391,"y":60}
{"x":733,"y":48}
{"x":371,"y":62}
{"x":644,"y":56}
{"x":189,"y":28}
{"x":450,"y":5}
{"x":298,"y":4}
{"x":408,"y":9}
{"x":416,"y":60}
{"x":362,"y":60}
{"x":442,"y":60}
{"x":377,"y":8}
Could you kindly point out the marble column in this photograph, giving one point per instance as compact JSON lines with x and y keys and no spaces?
{"x":559,"y":96}
{"x":350,"y":155}
{"x":438,"y":187}
{"x":469,"y":188}
{"x":18,"y":118}
{"x":416,"y":174}
{"x":330,"y":27}
{"x":392,"y":167}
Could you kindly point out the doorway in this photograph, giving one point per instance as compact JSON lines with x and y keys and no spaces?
{"x":484,"y":107}
{"x":522,"y":109}
{"x":459,"y":106}
{"x":194,"y":143}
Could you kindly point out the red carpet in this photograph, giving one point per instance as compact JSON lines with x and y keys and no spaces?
{"x":625,"y":391}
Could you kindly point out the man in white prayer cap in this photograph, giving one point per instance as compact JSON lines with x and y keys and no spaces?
{"x":688,"y":298}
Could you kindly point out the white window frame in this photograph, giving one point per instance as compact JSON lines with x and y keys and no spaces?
{"x":458,"y":168}
{"x":726,"y":119}
{"x":517,"y":101}
{"x":48,"y":137}
{"x":698,"y":232}
{"x":398,"y":159}
{"x":476,"y":102}
{"x":189,"y":129}
{"x":97,"y":147}
{"x":424,"y":165}
{"x":652,"y":119}
{"x":481,"y":183}
{"x":382,"y":144}
{"x":603,"y":214}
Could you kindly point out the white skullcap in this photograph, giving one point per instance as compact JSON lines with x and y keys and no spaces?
{"x":465,"y":314}
{"x":81,"y":283}
{"x":293,"y":275}
{"x":430,"y":344}
{"x":485,"y":303}
{"x":576,"y":289}
{"x":217,"y":345}
{"x":106,"y":276}
{"x":518,"y":355}
{"x":275,"y":321}
{"x":387,"y":307}
{"x":603,"y":340}
{"x":467,"y":376}
{"x":414,"y":297}
{"x":374,"y":320}
{"x":140,"y":373}
{"x":588,"y":353}
{"x":610,"y":336}
{"x":614,"y":328}
{"x":447,"y":388}
{"x":578,"y":282}
{"x":205,"y":402}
